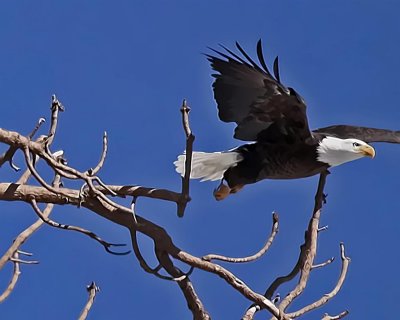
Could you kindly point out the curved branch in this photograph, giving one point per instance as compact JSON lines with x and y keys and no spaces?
{"x":330,"y":295}
{"x":37,"y":176}
{"x":24,"y":235}
{"x":194,"y":303}
{"x":143,"y":262}
{"x":9,"y":154}
{"x":259,"y":254}
{"x":14,"y":278}
{"x":103,"y":155}
{"x":105,"y":244}
{"x":305,"y":260}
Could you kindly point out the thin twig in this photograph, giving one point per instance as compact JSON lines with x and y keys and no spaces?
{"x":14,"y":279}
{"x":324,"y":228}
{"x":65,"y":174}
{"x":139,"y":191}
{"x":103,"y":155}
{"x":58,"y":191}
{"x":250,"y":312}
{"x":8,"y":157}
{"x":185,"y":198}
{"x":102,"y":196}
{"x":9,"y":154}
{"x":24,"y":261}
{"x":281,"y":280}
{"x":105,"y":244}
{"x":92,"y":289}
{"x":259,"y":254}
{"x":56,"y":106}
{"x":24,"y":235}
{"x":338,"y":317}
{"x":146,"y":267}
{"x":37,"y":176}
{"x":100,"y":182}
{"x":24,"y":253}
{"x":325,"y":298}
{"x":323,"y":264}
{"x":225,"y":274}
{"x":36,"y":128}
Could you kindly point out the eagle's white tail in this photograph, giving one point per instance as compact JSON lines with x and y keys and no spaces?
{"x":208,"y":166}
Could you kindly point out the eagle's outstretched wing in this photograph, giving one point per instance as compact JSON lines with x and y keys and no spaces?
{"x":262,"y":107}
{"x":362,"y":133}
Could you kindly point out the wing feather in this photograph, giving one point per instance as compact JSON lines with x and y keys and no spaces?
{"x":260,"y":56}
{"x":276,"y":69}
{"x":262,"y":107}
{"x":363,"y":133}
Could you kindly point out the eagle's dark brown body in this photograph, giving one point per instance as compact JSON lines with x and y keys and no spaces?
{"x":270,"y":161}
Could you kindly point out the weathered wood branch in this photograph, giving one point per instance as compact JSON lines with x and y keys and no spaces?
{"x":95,"y":196}
{"x":92,"y":289}
{"x":257,"y":255}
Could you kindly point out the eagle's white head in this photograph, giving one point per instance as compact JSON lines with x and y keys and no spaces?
{"x":335,"y":151}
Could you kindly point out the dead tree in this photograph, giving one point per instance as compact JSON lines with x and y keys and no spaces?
{"x":102,"y":199}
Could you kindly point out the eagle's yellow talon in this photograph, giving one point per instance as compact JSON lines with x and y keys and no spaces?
{"x":221,"y":192}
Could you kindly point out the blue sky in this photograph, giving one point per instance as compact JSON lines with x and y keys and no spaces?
{"x":124,"y":67}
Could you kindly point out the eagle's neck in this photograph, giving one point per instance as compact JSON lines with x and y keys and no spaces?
{"x":333,"y":151}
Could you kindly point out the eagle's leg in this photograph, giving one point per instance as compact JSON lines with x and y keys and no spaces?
{"x":222,"y":191}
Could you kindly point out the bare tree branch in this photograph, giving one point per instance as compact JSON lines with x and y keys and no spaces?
{"x":24,"y":235}
{"x":73,"y":195}
{"x":105,"y":244}
{"x":304,"y":262}
{"x":9,"y":154}
{"x":24,"y":261}
{"x":94,"y":196}
{"x":330,"y":295}
{"x":185,"y":198}
{"x":323,"y":264}
{"x":231,"y":279}
{"x":37,"y":127}
{"x":259,"y":254}
{"x":92,"y":289}
{"x":103,"y":156}
{"x":14,"y":279}
{"x":339,"y":316}
{"x":310,"y":245}
{"x":56,"y":107}
{"x":142,"y":261}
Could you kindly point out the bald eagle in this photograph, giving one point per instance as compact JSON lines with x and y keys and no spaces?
{"x":273,"y":119}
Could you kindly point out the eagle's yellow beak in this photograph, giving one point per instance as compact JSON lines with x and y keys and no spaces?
{"x":367,"y":150}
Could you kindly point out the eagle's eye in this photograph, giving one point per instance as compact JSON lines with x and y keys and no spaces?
{"x":356,"y":144}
